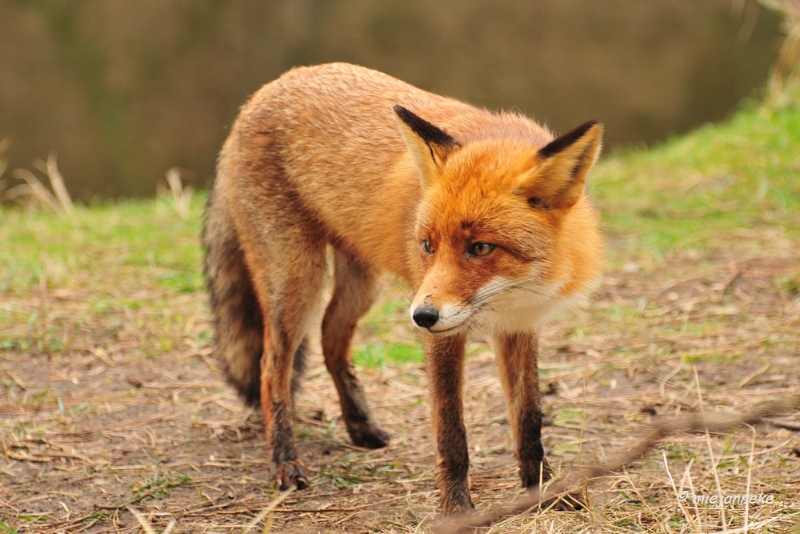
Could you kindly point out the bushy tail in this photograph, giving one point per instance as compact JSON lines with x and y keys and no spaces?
{"x":234,"y":306}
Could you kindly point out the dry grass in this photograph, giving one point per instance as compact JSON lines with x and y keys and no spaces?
{"x":179,"y":196}
{"x":786,"y":69}
{"x":35,"y":195}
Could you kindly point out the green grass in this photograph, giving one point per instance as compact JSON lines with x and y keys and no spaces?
{"x":741,"y":174}
{"x":5,"y":528}
{"x":379,"y":354}
{"x":158,"y":486}
{"x":41,"y":247}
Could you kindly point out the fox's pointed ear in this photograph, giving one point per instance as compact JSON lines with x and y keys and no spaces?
{"x":429,"y":146}
{"x":557,"y":179}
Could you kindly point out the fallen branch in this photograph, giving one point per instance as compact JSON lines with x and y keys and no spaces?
{"x":794,"y":426}
{"x":575,"y":482}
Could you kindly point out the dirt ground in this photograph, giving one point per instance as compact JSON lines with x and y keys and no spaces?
{"x":135,"y":416}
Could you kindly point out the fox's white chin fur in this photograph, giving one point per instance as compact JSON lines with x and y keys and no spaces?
{"x":521,"y":306}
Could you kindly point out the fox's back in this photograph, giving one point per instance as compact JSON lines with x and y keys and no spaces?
{"x":351,"y":106}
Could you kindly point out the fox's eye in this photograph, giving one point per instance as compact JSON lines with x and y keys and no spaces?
{"x":427,"y":248}
{"x":481,"y":249}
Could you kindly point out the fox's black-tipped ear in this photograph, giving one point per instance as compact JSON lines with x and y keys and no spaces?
{"x":568,"y":139}
{"x":558,"y":175}
{"x":429,"y":145}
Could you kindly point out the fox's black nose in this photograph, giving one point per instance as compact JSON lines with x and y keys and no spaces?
{"x":425,"y":316}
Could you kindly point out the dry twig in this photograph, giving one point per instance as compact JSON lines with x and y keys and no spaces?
{"x":266,"y":511}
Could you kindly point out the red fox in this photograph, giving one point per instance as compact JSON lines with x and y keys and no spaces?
{"x":483,"y":214}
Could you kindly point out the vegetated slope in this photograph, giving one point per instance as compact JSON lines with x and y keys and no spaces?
{"x":110,"y":396}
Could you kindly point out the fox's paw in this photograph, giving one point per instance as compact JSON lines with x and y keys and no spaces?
{"x":529,"y":472}
{"x":532,"y":472}
{"x":457,"y":502}
{"x":367,"y":434}
{"x":571,"y":502}
{"x":292,"y":473}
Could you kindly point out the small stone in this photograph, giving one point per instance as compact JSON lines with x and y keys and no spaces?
{"x":135,"y":382}
{"x":649,"y":409}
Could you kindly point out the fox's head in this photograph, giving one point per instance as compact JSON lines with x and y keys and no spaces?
{"x":505,"y":232}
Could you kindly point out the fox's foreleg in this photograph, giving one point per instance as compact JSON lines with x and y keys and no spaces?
{"x":517,"y":361}
{"x":445,"y":366}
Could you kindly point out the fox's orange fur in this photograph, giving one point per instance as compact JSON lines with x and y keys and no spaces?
{"x":483,"y":214}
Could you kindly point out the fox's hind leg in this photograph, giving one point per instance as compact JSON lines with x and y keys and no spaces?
{"x":292,"y":291}
{"x":353,"y":294}
{"x":517,"y":360}
{"x":286,"y":260}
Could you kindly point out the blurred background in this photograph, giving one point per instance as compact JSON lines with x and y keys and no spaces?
{"x":124,"y":90}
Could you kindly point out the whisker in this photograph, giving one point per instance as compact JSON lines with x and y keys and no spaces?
{"x":510,"y":287}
